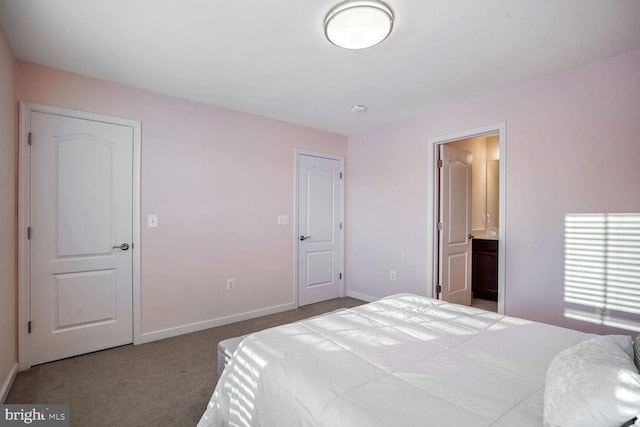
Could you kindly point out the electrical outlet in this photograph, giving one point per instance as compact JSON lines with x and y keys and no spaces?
{"x":602,"y":312}
{"x":231,"y":284}
{"x":392,"y":275}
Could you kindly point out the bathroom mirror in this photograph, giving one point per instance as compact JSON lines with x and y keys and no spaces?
{"x":493,"y":191}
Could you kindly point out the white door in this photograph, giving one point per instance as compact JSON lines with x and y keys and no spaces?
{"x":80,"y":248}
{"x":455,"y":219}
{"x":319,"y":229}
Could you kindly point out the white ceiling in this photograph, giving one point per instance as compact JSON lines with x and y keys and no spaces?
{"x":271,"y":58}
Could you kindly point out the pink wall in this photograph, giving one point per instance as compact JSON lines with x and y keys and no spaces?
{"x":8,"y":213}
{"x":572,"y":146}
{"x":217,"y":179}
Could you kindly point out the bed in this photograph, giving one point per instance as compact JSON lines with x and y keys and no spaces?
{"x":408,"y":360}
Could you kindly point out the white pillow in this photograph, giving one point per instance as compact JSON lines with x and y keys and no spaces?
{"x":592,"y":384}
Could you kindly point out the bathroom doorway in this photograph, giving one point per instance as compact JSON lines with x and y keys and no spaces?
{"x":477,"y":264}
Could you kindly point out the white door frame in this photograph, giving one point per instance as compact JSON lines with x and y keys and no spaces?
{"x":296,"y":241}
{"x":24,"y":184}
{"x":432,"y":205}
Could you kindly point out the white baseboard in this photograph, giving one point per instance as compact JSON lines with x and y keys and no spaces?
{"x":363,"y":297}
{"x":199,"y":326}
{"x":8,"y":382}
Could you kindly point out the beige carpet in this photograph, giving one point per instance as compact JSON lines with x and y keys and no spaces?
{"x":163,"y":383}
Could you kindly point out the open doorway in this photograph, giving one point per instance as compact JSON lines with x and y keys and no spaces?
{"x":467,"y":216}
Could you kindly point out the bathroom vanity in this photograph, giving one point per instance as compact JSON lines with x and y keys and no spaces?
{"x":484,"y":276}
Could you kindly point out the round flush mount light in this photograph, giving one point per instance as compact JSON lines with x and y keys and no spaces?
{"x":358,"y":24}
{"x":358,"y":108}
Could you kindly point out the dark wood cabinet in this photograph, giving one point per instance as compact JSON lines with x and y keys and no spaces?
{"x":484,"y":266}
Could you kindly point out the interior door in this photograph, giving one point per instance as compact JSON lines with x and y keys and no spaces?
{"x":455,"y":225}
{"x":319,"y":228}
{"x":80,"y":246}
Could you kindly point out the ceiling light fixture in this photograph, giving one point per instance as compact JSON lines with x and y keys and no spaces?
{"x":358,"y":24}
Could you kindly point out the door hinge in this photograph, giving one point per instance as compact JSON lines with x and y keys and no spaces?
{"x":340,"y":276}
{"x":438,"y":289}
{"x":28,"y":233}
{"x":340,"y":175}
{"x":29,"y":326}
{"x":439,"y":226}
{"x":340,"y":226}
{"x":29,"y":138}
{"x":440,"y":163}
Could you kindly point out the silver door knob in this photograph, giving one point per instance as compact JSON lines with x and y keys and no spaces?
{"x":123,"y":247}
{"x":302,"y":238}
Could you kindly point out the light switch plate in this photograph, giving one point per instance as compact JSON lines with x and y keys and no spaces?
{"x":152,"y":221}
{"x":283,"y":219}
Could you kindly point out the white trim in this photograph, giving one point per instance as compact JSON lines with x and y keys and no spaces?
{"x":363,"y":297}
{"x":24,"y":173}
{"x":296,"y":242}
{"x":500,"y":128}
{"x":23,"y":216}
{"x":8,"y":382}
{"x":295,"y":228}
{"x":137,"y":236}
{"x":199,"y":326}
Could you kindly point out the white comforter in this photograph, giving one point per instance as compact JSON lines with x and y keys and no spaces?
{"x":403,"y":360}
